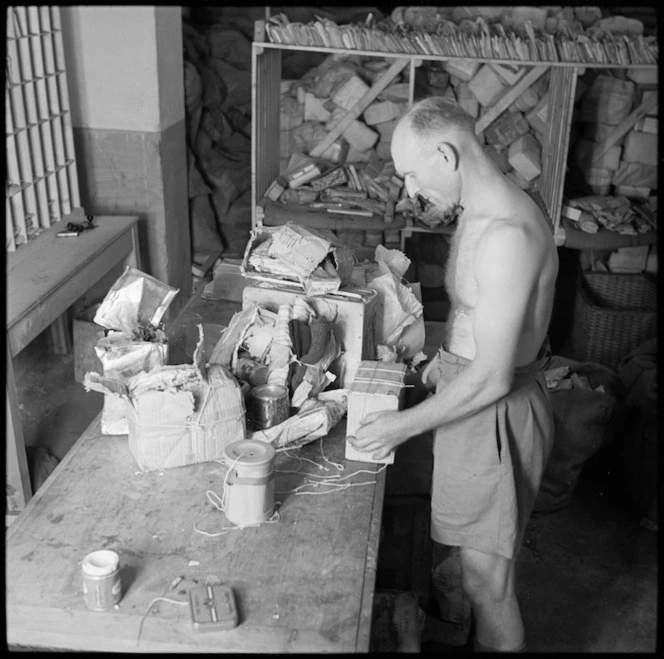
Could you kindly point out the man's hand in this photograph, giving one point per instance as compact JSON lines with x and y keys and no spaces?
{"x":380,"y":433}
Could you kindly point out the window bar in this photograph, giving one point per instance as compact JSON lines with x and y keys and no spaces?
{"x":49,"y":68}
{"x":72,"y":174}
{"x":32,"y":123}
{"x":9,"y":224}
{"x":52,"y":215}
{"x":22,"y":146}
{"x":58,"y":139}
{"x":16,"y":217}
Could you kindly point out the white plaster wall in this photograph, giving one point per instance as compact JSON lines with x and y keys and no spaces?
{"x":116,"y":62}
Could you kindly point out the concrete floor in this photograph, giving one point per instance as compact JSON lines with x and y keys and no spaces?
{"x":587,"y":575}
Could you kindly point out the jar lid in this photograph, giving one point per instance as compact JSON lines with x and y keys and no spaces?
{"x":249,"y":452}
{"x":100,"y":563}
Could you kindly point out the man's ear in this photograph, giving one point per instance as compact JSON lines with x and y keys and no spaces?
{"x":450,"y":153}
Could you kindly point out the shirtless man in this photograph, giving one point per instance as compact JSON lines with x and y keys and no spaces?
{"x":490,"y":413}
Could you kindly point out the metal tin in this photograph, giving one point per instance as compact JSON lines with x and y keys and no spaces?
{"x":249,"y":482}
{"x":251,"y":371}
{"x":102,"y":588}
{"x":269,"y":405}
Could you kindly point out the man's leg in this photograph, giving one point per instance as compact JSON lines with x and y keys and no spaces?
{"x":452,"y":624}
{"x":488,"y":582}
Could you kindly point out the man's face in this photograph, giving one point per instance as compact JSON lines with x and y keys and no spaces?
{"x":425,"y":170}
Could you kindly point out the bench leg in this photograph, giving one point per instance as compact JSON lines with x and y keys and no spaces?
{"x":60,"y":335}
{"x":134,"y":258}
{"x":18,"y":485}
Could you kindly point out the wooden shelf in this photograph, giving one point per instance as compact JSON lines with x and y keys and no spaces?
{"x":603,"y":239}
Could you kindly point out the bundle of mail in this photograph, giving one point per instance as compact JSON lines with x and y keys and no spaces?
{"x":135,"y":342}
{"x":314,"y":259}
{"x":177,"y":415}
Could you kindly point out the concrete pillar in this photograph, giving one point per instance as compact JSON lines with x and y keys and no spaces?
{"x":125,"y":76}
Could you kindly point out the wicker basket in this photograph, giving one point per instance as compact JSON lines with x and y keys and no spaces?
{"x":613,"y":315}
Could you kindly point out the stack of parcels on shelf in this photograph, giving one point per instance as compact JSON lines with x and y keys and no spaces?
{"x":618,"y":149}
{"x":313,"y":259}
{"x":178,"y":415}
{"x":377,"y":387}
{"x":131,"y":312}
{"x":614,"y":213}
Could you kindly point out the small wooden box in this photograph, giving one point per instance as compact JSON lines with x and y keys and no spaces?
{"x":377,"y":387}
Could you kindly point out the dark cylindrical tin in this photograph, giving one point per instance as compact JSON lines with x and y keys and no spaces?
{"x":270,"y":405}
{"x":102,"y":588}
{"x":251,"y":371}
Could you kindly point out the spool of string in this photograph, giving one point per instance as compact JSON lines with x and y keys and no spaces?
{"x":248,"y":496}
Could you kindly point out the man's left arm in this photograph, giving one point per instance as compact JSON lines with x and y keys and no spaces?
{"x":506,"y":271}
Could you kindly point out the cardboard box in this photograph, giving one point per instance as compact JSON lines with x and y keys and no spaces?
{"x":643,"y":76}
{"x":636,"y":175}
{"x":599,"y":132}
{"x":350,"y":92}
{"x":640,"y":148}
{"x":538,"y":116}
{"x":584,"y":156}
{"x":467,"y":100}
{"x":506,"y":129}
{"x":487,"y":86}
{"x":464,"y":69}
{"x":377,"y":387}
{"x":525,"y":155}
{"x":86,"y":334}
{"x":352,"y":310}
{"x":609,"y":100}
{"x":378,"y":113}
{"x":509,"y":73}
{"x":647,"y":125}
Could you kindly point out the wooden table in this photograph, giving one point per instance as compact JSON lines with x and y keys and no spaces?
{"x":303,"y":584}
{"x":44,"y":278}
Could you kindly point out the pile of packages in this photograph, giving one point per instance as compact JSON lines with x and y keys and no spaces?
{"x":547,"y":34}
{"x":344,"y":189}
{"x":618,"y":214}
{"x":311,"y":320}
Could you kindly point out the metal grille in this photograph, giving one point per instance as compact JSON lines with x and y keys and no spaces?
{"x":42,"y":181}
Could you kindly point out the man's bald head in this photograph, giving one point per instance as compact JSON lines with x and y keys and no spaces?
{"x":436,"y":118}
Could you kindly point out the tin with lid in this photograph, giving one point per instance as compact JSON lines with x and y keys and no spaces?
{"x":102,"y":588}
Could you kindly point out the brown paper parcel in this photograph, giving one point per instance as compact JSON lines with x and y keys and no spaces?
{"x":313,"y":259}
{"x":178,"y":415}
{"x":377,"y":387}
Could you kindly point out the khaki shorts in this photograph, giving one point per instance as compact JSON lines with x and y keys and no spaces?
{"x":487,"y":468}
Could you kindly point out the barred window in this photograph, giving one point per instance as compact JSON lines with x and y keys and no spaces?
{"x":42,"y":181}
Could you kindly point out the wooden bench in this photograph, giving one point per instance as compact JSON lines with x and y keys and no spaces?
{"x":44,"y":278}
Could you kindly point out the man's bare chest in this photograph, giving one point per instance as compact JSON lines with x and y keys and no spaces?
{"x":460,"y":275}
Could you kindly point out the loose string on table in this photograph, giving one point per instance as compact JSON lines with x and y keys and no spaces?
{"x":220,"y":504}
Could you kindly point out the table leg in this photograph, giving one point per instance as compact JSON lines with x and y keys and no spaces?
{"x":134,"y":258}
{"x":18,"y":485}
{"x":60,"y":335}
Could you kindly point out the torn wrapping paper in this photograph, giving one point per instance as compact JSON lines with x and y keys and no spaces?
{"x":350,"y":311}
{"x":314,"y":259}
{"x":135,"y":304}
{"x":398,"y":306}
{"x":121,"y":355}
{"x":132,"y":311}
{"x":316,"y":418}
{"x":178,"y":415}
